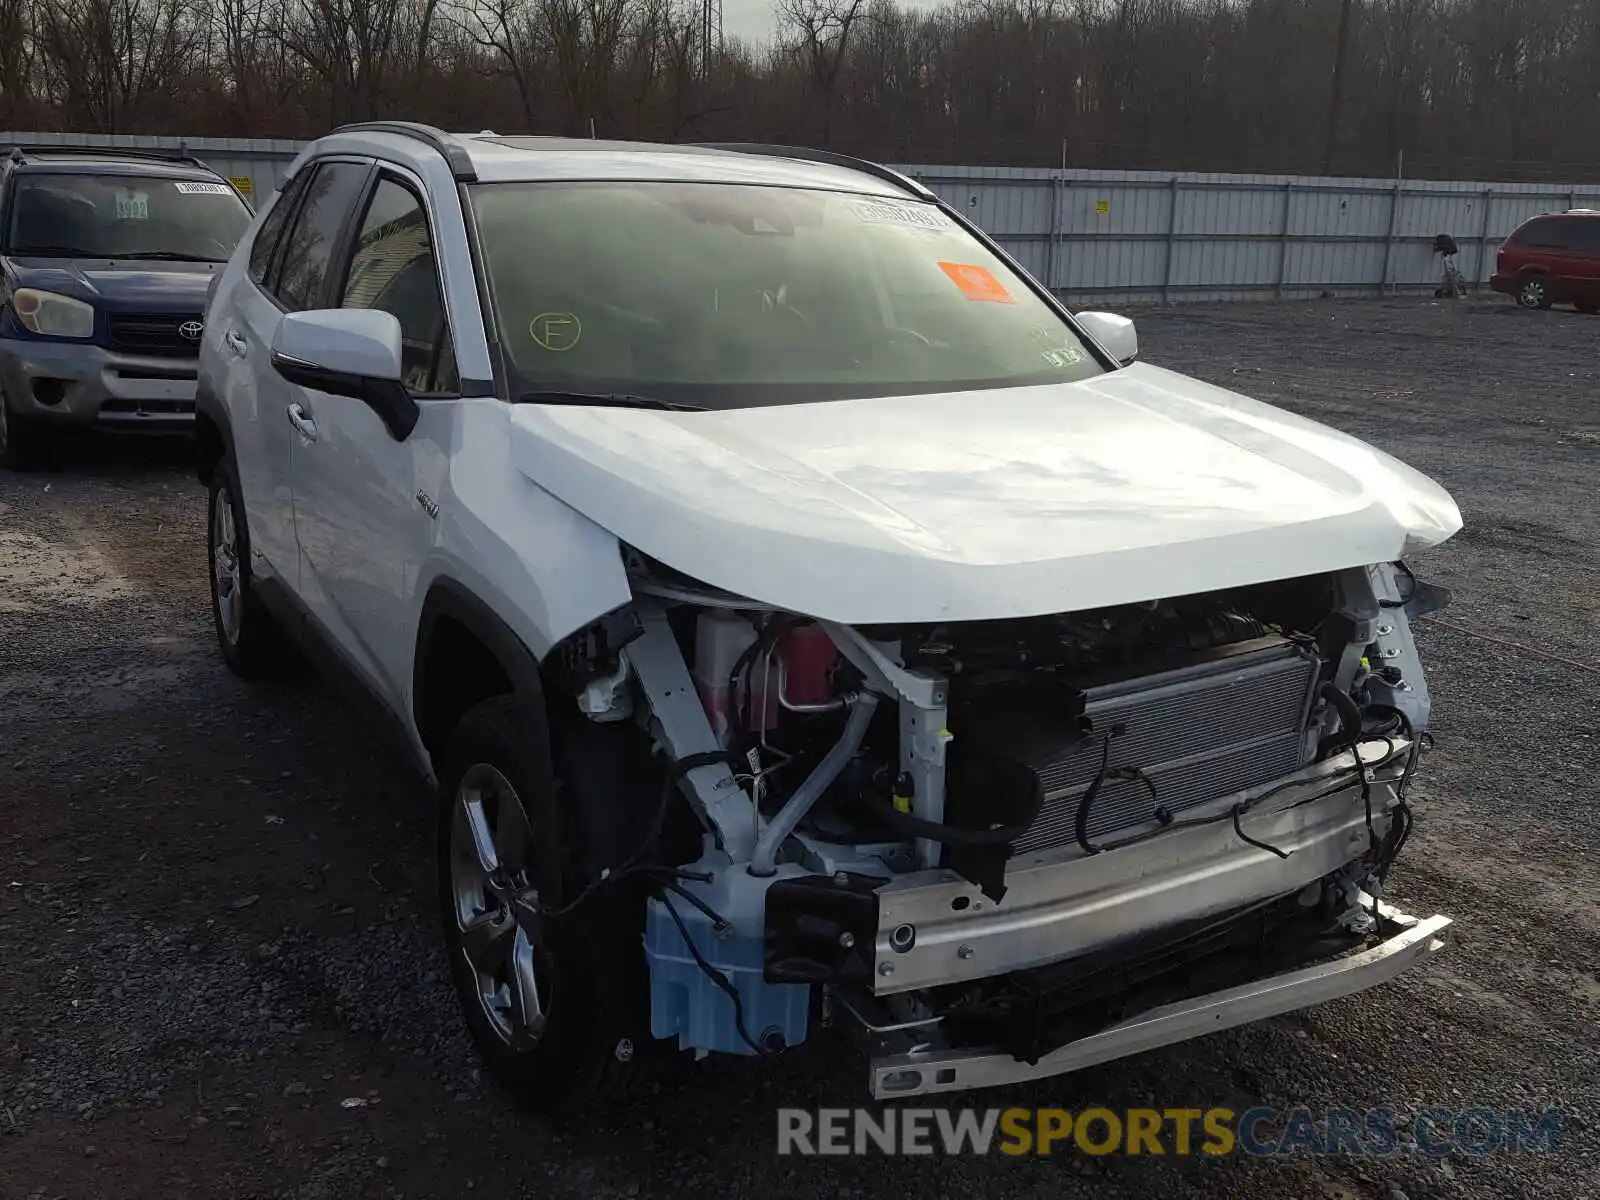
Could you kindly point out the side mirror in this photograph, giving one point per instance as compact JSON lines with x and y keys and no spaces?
{"x":1116,"y":334}
{"x":351,"y":352}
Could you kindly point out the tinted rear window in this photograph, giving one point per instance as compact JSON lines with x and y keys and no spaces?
{"x":1584,"y":233}
{"x":1559,"y":233}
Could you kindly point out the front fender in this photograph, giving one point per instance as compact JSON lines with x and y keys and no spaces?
{"x":541,"y":567}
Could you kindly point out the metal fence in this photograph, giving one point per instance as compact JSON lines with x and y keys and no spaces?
{"x":1147,"y":235}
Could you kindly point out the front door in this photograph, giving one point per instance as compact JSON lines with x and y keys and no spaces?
{"x":364,"y":515}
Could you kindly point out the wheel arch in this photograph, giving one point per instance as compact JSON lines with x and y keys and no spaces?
{"x":466,"y":653}
{"x":213,"y":439}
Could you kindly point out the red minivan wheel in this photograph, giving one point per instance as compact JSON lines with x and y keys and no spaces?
{"x":1534,"y":292}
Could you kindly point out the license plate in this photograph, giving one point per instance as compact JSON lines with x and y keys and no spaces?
{"x":155,"y":389}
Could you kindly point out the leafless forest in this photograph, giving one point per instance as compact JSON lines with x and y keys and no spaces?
{"x":1467,"y":88}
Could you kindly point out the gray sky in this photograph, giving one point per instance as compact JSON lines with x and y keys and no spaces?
{"x":747,"y":19}
{"x":752,"y":20}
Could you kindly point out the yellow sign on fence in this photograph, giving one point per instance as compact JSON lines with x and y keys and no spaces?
{"x":242,"y":184}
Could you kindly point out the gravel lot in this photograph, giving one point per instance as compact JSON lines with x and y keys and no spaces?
{"x":215,"y":916}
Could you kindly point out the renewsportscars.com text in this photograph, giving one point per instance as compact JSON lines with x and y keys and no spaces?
{"x":1374,"y":1133}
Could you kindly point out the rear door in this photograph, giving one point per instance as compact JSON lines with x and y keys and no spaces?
{"x":261,"y":448}
{"x":1551,"y":250}
{"x":292,"y":279}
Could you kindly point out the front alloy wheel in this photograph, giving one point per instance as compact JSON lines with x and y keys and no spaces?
{"x":496,"y":904}
{"x":552,"y":987}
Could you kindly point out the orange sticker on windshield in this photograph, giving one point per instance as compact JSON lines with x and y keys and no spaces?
{"x":977,"y":283}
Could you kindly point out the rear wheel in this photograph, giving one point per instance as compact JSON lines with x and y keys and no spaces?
{"x":555,"y":1005}
{"x":252,"y":643}
{"x":1534,"y":292}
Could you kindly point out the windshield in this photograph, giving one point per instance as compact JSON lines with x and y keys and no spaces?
{"x":731,"y":296}
{"x":67,"y":215}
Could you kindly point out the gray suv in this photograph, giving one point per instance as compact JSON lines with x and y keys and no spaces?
{"x":106,"y":257}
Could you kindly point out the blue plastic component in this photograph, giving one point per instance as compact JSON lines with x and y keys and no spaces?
{"x":687,"y":1004}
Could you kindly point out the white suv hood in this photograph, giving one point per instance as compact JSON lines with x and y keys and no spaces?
{"x":1131,"y":486}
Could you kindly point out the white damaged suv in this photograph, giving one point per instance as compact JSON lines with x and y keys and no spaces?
{"x":805,"y":619}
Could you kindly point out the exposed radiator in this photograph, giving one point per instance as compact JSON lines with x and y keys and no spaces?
{"x":1197,"y":733}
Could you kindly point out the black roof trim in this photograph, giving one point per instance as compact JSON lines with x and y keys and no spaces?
{"x":20,"y":151}
{"x":455,"y":154}
{"x":828,"y":157}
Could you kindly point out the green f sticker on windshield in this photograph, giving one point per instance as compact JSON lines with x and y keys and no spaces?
{"x":132,"y":206}
{"x":555,"y":331}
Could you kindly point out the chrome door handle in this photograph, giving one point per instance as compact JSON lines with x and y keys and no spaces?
{"x":302,"y":422}
{"x":237,"y":344}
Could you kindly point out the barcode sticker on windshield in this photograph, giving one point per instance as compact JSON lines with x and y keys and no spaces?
{"x":877,"y":212}
{"x":202,"y":189}
{"x":132,"y":206}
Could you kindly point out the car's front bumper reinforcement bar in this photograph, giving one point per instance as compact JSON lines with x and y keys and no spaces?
{"x":926,"y":1070}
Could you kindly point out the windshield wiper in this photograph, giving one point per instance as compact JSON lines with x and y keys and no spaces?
{"x":170,"y":256}
{"x":53,"y":252}
{"x":603,"y":400}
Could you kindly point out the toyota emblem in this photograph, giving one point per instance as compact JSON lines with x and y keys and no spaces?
{"x":191,"y":330}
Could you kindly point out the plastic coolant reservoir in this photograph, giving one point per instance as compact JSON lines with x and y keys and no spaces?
{"x":685,"y":1003}
{"x":720,"y":638}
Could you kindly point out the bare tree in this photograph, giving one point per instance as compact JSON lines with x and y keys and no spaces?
{"x":109,"y":59}
{"x":820,"y":31}
{"x":1491,"y":88}
{"x":17,"y":85}
{"x":1341,"y":53}
{"x":508,"y":32}
{"x":1402,"y":24}
{"x":352,"y":46}
{"x":586,"y":39}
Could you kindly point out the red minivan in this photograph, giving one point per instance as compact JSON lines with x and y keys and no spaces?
{"x":1552,"y":258}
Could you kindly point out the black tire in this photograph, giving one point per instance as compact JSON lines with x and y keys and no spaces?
{"x":24,"y":444}
{"x":594,"y":1047}
{"x":1534,"y":292}
{"x":256,"y":648}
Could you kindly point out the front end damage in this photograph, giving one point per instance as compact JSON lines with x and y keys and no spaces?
{"x":1002,"y":850}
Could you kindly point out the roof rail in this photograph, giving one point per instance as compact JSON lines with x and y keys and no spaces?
{"x":865,"y":166}
{"x":19,"y":150}
{"x":455,"y":154}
